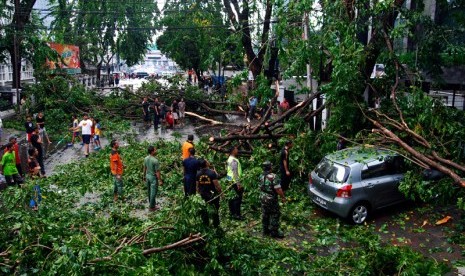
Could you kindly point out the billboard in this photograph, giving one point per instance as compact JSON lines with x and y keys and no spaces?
{"x":69,"y":62}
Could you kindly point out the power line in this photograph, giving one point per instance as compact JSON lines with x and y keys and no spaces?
{"x":29,"y":26}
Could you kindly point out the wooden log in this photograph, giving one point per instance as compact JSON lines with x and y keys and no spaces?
{"x":219,"y":111}
{"x":181,"y":243}
{"x":214,"y":122}
{"x":226,"y":150}
{"x":245,"y":137}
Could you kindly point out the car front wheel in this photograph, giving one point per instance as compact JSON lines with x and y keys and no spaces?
{"x":359,"y":213}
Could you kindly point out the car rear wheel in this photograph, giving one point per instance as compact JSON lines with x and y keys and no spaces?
{"x":359,"y":213}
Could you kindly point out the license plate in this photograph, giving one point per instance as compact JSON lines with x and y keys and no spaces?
{"x":320,"y":201}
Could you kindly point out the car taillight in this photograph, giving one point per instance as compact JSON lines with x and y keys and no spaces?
{"x":345,"y":191}
{"x":310,"y":180}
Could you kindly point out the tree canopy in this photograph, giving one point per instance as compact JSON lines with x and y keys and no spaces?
{"x":194,"y":33}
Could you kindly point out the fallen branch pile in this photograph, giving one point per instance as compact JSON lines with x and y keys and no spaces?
{"x":264,"y":129}
{"x":141,"y":238}
{"x":399,"y":132}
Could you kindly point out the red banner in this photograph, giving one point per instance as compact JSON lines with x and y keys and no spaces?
{"x":69,"y":58}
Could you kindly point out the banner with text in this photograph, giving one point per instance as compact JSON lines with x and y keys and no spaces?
{"x":69,"y":62}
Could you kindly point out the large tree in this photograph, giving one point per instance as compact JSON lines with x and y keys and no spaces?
{"x":103,"y":29}
{"x":252,"y":19}
{"x":14,"y":34}
{"x":194,"y":33}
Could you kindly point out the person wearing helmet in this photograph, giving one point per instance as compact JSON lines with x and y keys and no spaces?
{"x":270,"y":189}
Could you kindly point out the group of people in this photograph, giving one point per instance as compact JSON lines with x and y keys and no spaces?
{"x":88,"y":130}
{"x":200,"y":178}
{"x":254,"y":111}
{"x":151,"y":174}
{"x":11,"y":162}
{"x":159,"y":112}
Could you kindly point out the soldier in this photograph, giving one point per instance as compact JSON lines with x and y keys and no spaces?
{"x":210,"y":190}
{"x":152,"y":177}
{"x":270,"y":189}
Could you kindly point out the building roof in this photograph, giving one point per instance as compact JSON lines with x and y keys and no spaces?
{"x":451,"y":75}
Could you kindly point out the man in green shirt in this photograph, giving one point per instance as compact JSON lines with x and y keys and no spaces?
{"x":9,"y":169}
{"x":152,"y":177}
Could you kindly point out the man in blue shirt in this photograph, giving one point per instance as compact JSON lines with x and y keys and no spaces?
{"x":253,"y":107}
{"x":191,"y":165}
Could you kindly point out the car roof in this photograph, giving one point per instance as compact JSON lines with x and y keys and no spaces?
{"x":363,"y":155}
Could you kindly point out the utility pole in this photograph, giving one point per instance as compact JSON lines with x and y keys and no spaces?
{"x":16,"y":65}
{"x":309,"y":68}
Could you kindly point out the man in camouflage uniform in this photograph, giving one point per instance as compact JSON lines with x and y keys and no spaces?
{"x":270,"y":189}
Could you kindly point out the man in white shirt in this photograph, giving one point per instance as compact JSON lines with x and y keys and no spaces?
{"x":86,"y":130}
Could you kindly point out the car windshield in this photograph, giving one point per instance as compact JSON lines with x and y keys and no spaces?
{"x":332,"y":171}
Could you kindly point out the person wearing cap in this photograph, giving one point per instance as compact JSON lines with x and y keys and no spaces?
{"x":18,"y":158}
{"x":189,"y":143}
{"x":270,"y":190}
{"x":234,"y":174}
{"x":190,"y":167}
{"x":210,"y":190}
{"x":286,"y":176}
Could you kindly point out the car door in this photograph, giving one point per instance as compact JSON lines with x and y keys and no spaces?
{"x":380,"y":185}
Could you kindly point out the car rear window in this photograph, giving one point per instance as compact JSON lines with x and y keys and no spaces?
{"x":331,"y":171}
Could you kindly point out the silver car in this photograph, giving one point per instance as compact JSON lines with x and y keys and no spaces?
{"x":356,"y":181}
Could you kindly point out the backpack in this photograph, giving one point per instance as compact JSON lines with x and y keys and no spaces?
{"x":37,"y":198}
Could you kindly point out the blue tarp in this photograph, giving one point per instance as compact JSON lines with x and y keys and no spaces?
{"x":217,"y":79}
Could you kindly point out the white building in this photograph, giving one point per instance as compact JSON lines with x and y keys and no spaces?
{"x":156,"y":63}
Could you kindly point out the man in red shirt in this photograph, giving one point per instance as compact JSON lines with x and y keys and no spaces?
{"x":116,"y":166}
{"x":18,"y":158}
{"x":284,"y":105}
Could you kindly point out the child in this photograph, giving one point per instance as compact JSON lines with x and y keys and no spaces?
{"x":92,"y":130}
{"x":170,"y":119}
{"x":98,"y":131}
{"x":40,"y":121}
{"x":75,"y":133}
{"x":29,"y":125}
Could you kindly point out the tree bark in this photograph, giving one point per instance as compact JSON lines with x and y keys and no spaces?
{"x":21,"y":17}
{"x":183,"y":242}
{"x":418,"y":155}
{"x":245,"y":137}
{"x":255,"y":61}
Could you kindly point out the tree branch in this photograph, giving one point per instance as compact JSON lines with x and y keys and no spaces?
{"x":181,"y":243}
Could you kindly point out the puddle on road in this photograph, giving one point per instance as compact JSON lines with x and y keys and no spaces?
{"x":60,"y":154}
{"x":88,"y":198}
{"x":144,"y":212}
